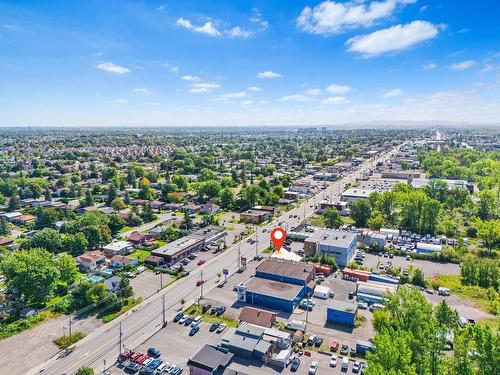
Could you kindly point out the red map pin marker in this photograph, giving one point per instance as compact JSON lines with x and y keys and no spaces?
{"x":278,"y":236}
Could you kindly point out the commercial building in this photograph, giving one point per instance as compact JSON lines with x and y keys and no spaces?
{"x":340,"y":206}
{"x":335,"y":243}
{"x":353,"y":194}
{"x":178,"y":249}
{"x":342,"y":312}
{"x":247,"y":341}
{"x":428,"y":248}
{"x":278,"y":285}
{"x":209,"y":360}
{"x":209,"y":234}
{"x":371,"y":239}
{"x":255,"y":216}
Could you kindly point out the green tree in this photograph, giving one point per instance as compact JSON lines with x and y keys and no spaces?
{"x":333,"y":219}
{"x":89,"y":199}
{"x":116,"y":223}
{"x":226,"y":198}
{"x":13,"y":203}
{"x":67,"y":269}
{"x":112,"y":194}
{"x":85,"y":371}
{"x":47,"y":238}
{"x":376,"y":220}
{"x":118,"y":204}
{"x":75,"y":244}
{"x":32,"y":273}
{"x":418,"y":278}
{"x":393,"y":355}
{"x":488,"y":206}
{"x":360,"y":212}
{"x":5,"y":228}
{"x":489,"y":232}
{"x":187,"y":222}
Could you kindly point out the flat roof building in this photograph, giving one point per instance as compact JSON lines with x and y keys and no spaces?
{"x":335,"y":243}
{"x":179,"y":248}
{"x":353,"y":194}
{"x":209,"y":360}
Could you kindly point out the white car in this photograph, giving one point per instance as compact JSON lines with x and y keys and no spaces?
{"x":313,"y":368}
{"x":183,"y":319}
{"x":147,"y":362}
{"x":356,"y":367}
{"x":333,"y":361}
{"x":362,"y":305}
{"x":221,"y":328}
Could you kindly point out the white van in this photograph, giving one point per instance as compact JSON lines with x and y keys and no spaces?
{"x":345,"y":363}
{"x":196,"y":321}
{"x":297,"y":325}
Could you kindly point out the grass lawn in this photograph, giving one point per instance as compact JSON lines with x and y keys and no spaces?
{"x":140,"y":255}
{"x":126,"y":228}
{"x":318,"y":221}
{"x":195,"y":310}
{"x":23,"y":324}
{"x":131,"y":302}
{"x":479,"y":295}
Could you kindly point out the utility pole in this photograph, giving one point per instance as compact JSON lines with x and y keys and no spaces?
{"x":163,"y":310}
{"x":201,"y":286}
{"x":238,"y":261}
{"x":307,"y":308}
{"x":69,"y":325}
{"x":256,"y":245}
{"x":120,"y":339}
{"x":161,"y":280}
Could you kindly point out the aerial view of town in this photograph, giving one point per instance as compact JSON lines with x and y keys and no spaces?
{"x":255,"y":187}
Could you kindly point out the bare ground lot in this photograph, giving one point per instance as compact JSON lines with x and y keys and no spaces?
{"x":36,"y":344}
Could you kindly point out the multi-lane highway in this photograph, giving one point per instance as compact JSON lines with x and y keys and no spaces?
{"x":102,"y":346}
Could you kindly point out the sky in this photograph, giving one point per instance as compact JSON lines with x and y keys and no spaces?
{"x":236,"y":62}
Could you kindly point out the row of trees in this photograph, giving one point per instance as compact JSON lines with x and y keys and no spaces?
{"x":480,"y":271}
{"x":411,"y":335}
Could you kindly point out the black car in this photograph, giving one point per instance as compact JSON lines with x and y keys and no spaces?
{"x":318,"y":341}
{"x":178,"y":317}
{"x":205,"y":308}
{"x":295,"y":364}
{"x":344,"y":349}
{"x":221,"y":310}
{"x":188,"y":321}
{"x":132,"y":368}
{"x":153,"y":352}
{"x":213,"y":327}
{"x":214,"y":310}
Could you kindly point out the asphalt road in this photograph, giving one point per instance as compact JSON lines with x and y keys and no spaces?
{"x":140,"y":323}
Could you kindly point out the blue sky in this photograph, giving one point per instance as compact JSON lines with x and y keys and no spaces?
{"x":167,"y":63}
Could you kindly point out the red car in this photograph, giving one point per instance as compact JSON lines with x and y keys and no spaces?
{"x":135,"y":357}
{"x":200,"y":282}
{"x":334,"y":347}
{"x":201,"y":262}
{"x":141,"y":359}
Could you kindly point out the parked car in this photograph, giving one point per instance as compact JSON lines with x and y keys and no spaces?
{"x":344,"y":349}
{"x":183,"y":319}
{"x":205,"y":308}
{"x":362,"y":305}
{"x":213,"y":327}
{"x":214,"y":310}
{"x":356,"y":367}
{"x":202,"y":261}
{"x":353,"y":350}
{"x":200,"y":282}
{"x":333,"y":361}
{"x":194,"y":330}
{"x":318,"y":341}
{"x":196,"y":321}
{"x":147,"y":361}
{"x":295,"y":364}
{"x":154,"y":352}
{"x":188,"y":321}
{"x":334,"y":346}
{"x":221,"y":328}
{"x":155,"y":364}
{"x":221,"y":310}
{"x":311,"y":340}
{"x":132,"y":368}
{"x":313,"y":368}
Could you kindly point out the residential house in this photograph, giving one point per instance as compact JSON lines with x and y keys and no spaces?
{"x":118,"y":248}
{"x":209,"y":208}
{"x":119,"y":261}
{"x":113,"y":283}
{"x":90,"y":260}
{"x":258,"y":317}
{"x":141,"y":238}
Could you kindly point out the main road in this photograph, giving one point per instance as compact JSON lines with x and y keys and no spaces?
{"x":100,"y":348}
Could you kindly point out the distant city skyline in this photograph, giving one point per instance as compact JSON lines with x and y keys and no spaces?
{"x":248,"y":63}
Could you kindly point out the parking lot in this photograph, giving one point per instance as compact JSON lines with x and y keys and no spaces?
{"x":430,"y":269}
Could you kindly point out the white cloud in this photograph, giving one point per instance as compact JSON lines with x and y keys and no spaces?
{"x":393,"y":39}
{"x":269,"y":74}
{"x":295,"y":98}
{"x":429,"y":66}
{"x":112,"y":68}
{"x":161,"y":7}
{"x":463,"y":65}
{"x":335,"y":100}
{"x":232,"y":95}
{"x":190,"y":78}
{"x":330,"y":17}
{"x":246,"y":103}
{"x":254,"y":88}
{"x":393,"y":93}
{"x":207,"y":28}
{"x":338,"y":89}
{"x":174,"y":69}
{"x":238,"y":32}
{"x":120,"y":101}
{"x":152,"y":104}
{"x":142,"y":91}
{"x":313,"y":92}
{"x":204,"y":87}
{"x":258,"y":19}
